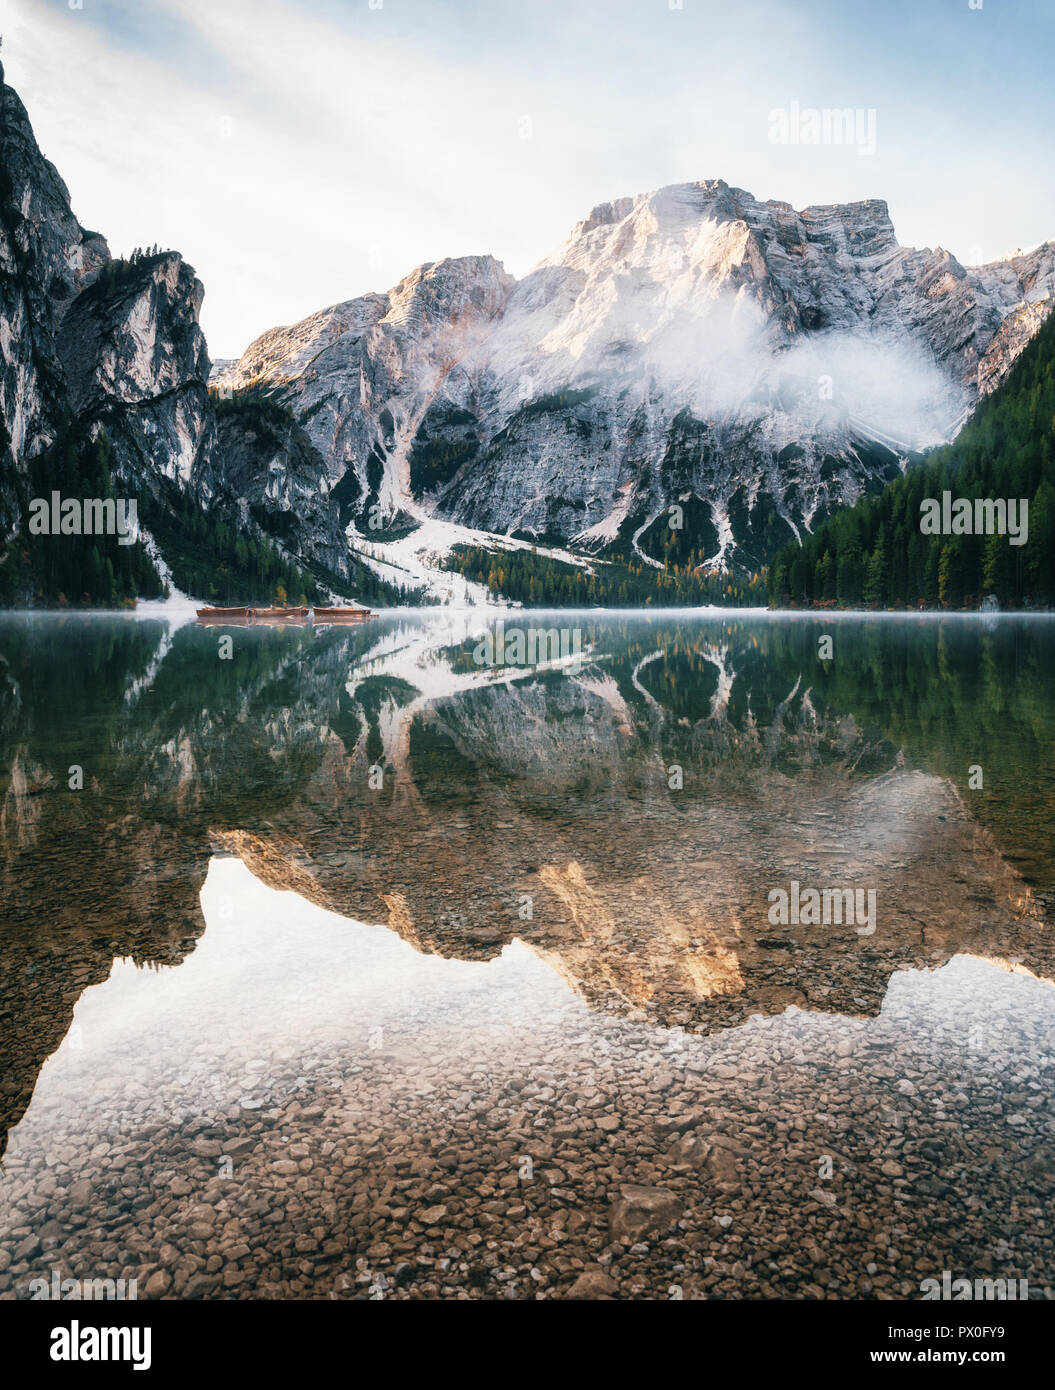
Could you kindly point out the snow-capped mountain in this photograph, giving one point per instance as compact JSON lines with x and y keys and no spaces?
{"x":754,"y":365}
{"x":692,"y":343}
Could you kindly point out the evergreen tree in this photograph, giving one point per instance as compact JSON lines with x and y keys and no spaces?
{"x":875,"y":551}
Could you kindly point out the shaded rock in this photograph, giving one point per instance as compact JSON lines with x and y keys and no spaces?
{"x":642,"y":1211}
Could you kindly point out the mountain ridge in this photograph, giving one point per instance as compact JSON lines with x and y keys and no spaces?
{"x":688,"y":351}
{"x":694,"y":304}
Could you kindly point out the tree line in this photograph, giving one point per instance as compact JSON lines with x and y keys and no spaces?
{"x":528,"y":577}
{"x":874,"y":554}
{"x":72,"y":570}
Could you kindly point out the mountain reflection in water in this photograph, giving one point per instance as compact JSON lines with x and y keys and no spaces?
{"x":607,"y":837}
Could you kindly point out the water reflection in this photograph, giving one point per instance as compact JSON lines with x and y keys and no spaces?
{"x":309,"y":1107}
{"x":606,"y":837}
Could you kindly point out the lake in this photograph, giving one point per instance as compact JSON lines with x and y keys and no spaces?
{"x":708,"y":956}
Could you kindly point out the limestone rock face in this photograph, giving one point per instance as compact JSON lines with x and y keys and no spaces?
{"x":364,"y":375}
{"x":134,"y":358}
{"x":46,"y":259}
{"x":692,"y":343}
{"x":281,"y":482}
{"x":81,"y":335}
{"x":116,"y":345}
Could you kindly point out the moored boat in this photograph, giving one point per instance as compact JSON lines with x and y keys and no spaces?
{"x":341,"y":615}
{"x":224,"y":612}
{"x":289,"y":615}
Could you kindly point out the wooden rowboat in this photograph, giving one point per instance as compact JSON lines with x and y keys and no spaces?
{"x":241,"y":616}
{"x":341,"y":615}
{"x":289,"y":615}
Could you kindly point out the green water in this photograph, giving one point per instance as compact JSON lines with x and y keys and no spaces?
{"x":166,"y":730}
{"x":585,"y":849}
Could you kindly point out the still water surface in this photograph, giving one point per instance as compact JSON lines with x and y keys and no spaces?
{"x":359,"y":969}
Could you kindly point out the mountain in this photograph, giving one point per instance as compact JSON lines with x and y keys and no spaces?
{"x":692,"y":380}
{"x":757,"y":365}
{"x":877,"y":553}
{"x":90,"y":341}
{"x":104,"y":391}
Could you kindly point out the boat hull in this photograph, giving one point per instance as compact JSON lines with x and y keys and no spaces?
{"x":241,"y":617}
{"x":341,"y":615}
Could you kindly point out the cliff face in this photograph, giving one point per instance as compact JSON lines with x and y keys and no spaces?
{"x":85,"y":338}
{"x":282,"y":484}
{"x":364,"y":375}
{"x":693,"y":343}
{"x":97,"y":343}
{"x":135,"y":360}
{"x":46,"y":260}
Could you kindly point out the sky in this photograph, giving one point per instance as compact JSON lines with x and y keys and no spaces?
{"x":303,"y":152}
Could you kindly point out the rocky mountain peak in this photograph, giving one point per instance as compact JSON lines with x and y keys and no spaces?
{"x":756,"y":364}
{"x":450,"y":292}
{"x":687,"y":342}
{"x":103,"y":342}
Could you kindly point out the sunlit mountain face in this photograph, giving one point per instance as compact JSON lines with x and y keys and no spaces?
{"x":390,"y":962}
